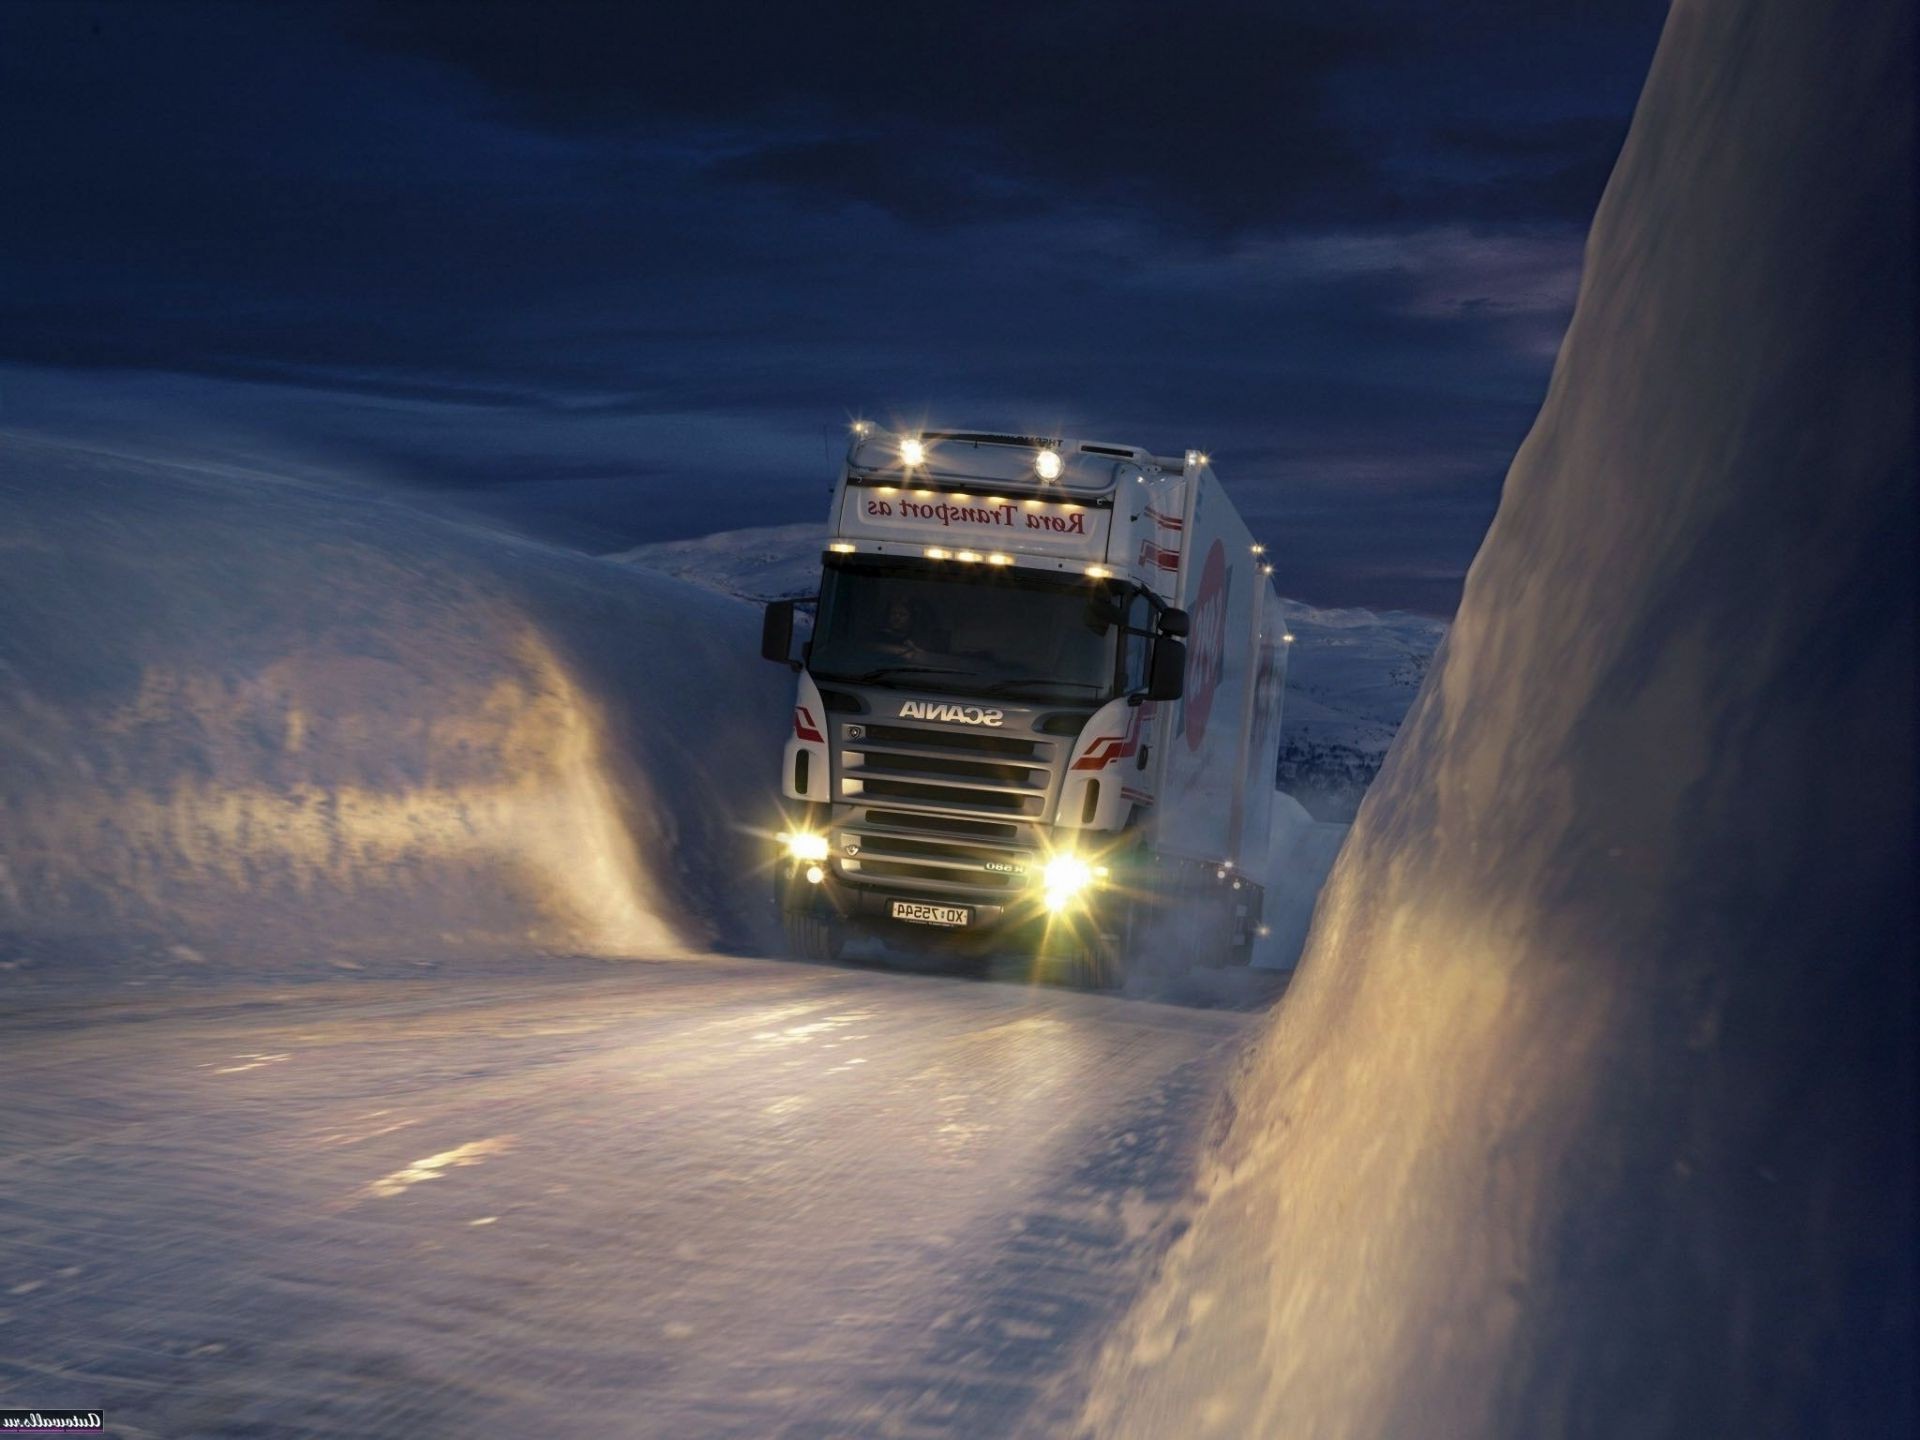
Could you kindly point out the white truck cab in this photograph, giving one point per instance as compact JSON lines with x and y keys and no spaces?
{"x":1040,"y":705}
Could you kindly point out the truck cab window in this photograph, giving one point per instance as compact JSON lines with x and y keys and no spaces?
{"x":967,"y":630}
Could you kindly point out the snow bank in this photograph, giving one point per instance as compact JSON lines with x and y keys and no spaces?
{"x":245,"y":714}
{"x":1590,"y":1110}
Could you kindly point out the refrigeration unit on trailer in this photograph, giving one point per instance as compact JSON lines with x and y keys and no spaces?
{"x":1039,"y":708}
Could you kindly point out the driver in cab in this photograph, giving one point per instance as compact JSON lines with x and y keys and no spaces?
{"x":904,"y":630}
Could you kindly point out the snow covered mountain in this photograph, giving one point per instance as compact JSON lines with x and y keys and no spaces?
{"x":768,"y":562}
{"x":1351,"y":677}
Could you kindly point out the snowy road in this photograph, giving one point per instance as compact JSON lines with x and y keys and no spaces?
{"x":687,"y":1198}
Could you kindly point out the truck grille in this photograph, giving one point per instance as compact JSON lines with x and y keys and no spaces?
{"x":942,"y":812}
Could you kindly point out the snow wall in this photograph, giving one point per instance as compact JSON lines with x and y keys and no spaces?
{"x":1591,"y":1109}
{"x":253,"y":718}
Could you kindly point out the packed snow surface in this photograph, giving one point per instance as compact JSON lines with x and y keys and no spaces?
{"x":1591,"y":1109}
{"x":700,"y":1198}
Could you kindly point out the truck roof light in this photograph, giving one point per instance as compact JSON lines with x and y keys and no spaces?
{"x":912,"y":452}
{"x":934,"y":552}
{"x":842,"y":547}
{"x":1287,"y":638}
{"x":1259,"y":549}
{"x":861,"y":427}
{"x":1098,"y":572}
{"x":1047,"y":464}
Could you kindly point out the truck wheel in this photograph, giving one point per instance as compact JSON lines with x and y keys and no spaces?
{"x":1100,"y":964}
{"x":819,"y":938}
{"x":1096,"y":960}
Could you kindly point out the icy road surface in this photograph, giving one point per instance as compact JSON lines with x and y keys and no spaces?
{"x":691,"y":1198}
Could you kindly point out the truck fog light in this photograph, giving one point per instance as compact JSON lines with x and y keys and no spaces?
{"x":1064,"y":878}
{"x":807,"y":847}
{"x":815,"y":874}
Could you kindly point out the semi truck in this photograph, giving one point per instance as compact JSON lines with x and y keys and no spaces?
{"x":1038,"y":710}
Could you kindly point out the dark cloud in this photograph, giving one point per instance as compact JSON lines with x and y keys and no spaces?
{"x":1131,"y":102}
{"x":1212,"y":119}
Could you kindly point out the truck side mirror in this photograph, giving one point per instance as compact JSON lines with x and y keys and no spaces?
{"x":1167,"y":669}
{"x":1174,"y":622}
{"x":776,"y":632}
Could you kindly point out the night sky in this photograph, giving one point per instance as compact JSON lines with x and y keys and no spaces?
{"x":614,"y":273}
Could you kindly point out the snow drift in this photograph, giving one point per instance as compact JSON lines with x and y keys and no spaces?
{"x":1591,"y":1109}
{"x":250,"y":714}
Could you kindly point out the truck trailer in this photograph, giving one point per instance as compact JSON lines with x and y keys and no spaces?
{"x":1038,"y":711}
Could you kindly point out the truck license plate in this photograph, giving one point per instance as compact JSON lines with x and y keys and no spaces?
{"x":930,"y":914}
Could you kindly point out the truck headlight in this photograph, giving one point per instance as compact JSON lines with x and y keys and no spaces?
{"x":811,"y":848}
{"x":1065,"y":877}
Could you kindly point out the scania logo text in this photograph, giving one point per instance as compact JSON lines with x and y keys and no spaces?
{"x":954,"y":714}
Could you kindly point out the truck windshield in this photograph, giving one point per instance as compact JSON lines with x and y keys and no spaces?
{"x":977,"y":631}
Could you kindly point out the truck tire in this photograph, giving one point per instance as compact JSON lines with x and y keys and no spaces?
{"x":1096,"y":959}
{"x":818,"y":938}
{"x":1100,"y":963}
